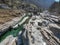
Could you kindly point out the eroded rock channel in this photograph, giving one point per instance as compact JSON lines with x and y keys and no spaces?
{"x":35,"y":29}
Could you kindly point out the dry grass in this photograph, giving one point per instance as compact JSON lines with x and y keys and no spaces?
{"x":7,"y":15}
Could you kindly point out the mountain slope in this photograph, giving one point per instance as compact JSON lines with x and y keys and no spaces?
{"x":55,"y":8}
{"x":41,"y":3}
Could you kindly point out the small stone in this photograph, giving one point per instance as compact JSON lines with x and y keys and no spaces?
{"x":40,"y":24}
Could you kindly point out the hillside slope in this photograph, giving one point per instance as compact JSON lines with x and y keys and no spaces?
{"x":55,"y":8}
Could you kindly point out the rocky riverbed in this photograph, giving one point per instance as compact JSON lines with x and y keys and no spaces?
{"x":41,"y":29}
